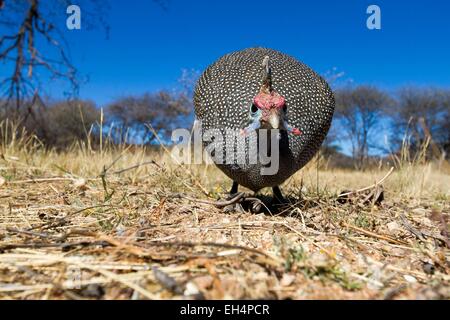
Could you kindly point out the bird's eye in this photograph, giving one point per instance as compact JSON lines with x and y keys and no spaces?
{"x":254,"y":108}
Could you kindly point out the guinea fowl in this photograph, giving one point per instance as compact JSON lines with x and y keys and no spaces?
{"x":255,"y":89}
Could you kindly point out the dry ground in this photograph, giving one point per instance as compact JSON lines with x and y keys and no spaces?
{"x":69,"y":229}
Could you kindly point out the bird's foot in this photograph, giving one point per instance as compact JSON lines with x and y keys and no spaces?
{"x":243,"y":204}
{"x":256,"y":206}
{"x":235,"y":207}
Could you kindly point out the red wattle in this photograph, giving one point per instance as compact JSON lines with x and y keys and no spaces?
{"x":296,"y":131}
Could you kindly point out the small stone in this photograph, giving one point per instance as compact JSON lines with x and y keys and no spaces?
{"x":393,"y":226}
{"x":191,"y":289}
{"x":418,"y":211}
{"x":428,"y":268}
{"x":120,"y":229}
{"x":93,"y":291}
{"x":287,"y":280}
{"x":320,"y":260}
{"x":410,"y":279}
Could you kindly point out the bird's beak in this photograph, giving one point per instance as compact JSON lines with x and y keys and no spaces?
{"x":274,"y":120}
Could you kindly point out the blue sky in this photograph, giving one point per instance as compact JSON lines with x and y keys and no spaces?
{"x":147,"y":46}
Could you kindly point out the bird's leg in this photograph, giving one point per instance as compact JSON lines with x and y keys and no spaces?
{"x":278,"y":196}
{"x":234,"y":188}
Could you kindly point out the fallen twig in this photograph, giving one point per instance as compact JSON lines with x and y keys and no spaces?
{"x":64,"y":246}
{"x":137,"y":166}
{"x":42,"y":180}
{"x":218,"y":204}
{"x":369,"y":187}
{"x":410,"y":228}
{"x":374,"y":235}
{"x":167,"y":281}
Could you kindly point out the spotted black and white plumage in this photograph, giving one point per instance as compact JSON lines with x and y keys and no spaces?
{"x":225,"y":92}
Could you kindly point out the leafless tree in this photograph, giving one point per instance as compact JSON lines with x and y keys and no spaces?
{"x":358,"y":111}
{"x":34,"y":46}
{"x":335,"y":79}
{"x":131,"y":118}
{"x":421,"y":114}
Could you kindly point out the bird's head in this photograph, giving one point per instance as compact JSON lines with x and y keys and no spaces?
{"x":269,"y":109}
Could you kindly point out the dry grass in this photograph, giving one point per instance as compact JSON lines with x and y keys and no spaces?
{"x":72,"y":225}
